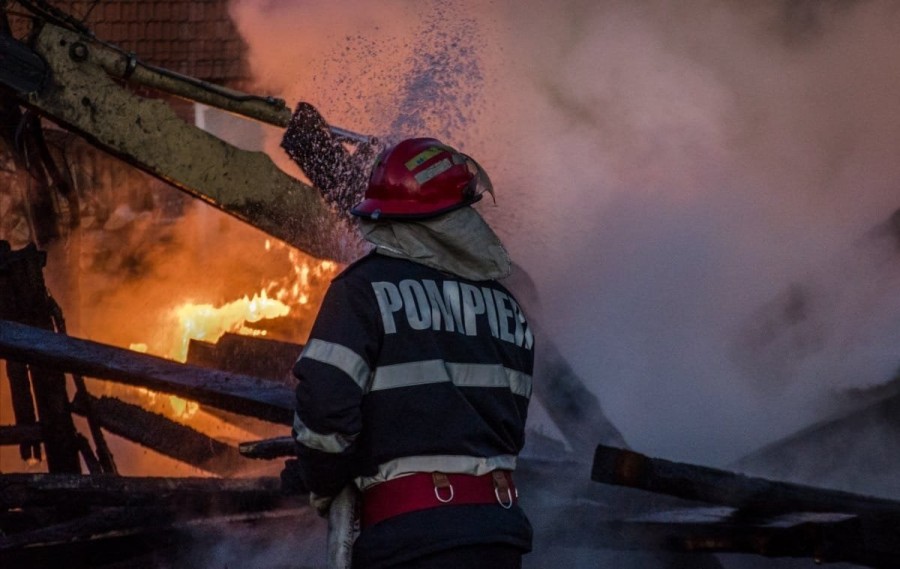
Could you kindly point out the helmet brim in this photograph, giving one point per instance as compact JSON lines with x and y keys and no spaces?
{"x":376,"y":209}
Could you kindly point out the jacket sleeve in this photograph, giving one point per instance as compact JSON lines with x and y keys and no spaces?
{"x":333,"y":371}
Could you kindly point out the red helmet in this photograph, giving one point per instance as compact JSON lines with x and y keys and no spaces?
{"x":420,"y":178}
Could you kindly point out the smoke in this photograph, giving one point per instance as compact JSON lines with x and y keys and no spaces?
{"x":691,"y":185}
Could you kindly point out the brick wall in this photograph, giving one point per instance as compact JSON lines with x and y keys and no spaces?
{"x":193,"y":37}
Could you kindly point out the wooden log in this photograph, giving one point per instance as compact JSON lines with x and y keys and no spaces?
{"x":864,"y":540}
{"x":824,"y":537}
{"x":247,"y":355}
{"x":627,"y":468}
{"x":237,"y":393}
{"x":23,"y":407}
{"x":119,"y":523}
{"x":162,"y":435}
{"x":59,"y":435}
{"x":20,"y":435}
{"x":222,"y":495}
{"x":105,"y":458}
{"x":268,"y":449}
{"x":97,"y":525}
{"x":24,"y":298}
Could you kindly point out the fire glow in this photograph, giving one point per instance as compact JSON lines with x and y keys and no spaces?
{"x":208,"y":322}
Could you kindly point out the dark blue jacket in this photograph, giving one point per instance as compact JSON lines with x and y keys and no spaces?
{"x":409,"y":369}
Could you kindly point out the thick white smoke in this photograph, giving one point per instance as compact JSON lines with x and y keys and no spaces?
{"x":691,"y":185}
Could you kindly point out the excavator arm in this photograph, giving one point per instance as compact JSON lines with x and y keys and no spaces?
{"x":79,"y":82}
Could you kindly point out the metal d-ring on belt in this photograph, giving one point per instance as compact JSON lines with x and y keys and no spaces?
{"x":443,"y":489}
{"x":424,"y":490}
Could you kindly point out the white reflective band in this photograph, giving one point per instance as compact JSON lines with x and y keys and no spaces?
{"x":448,"y":464}
{"x":490,"y":375}
{"x":433,"y":170}
{"x":333,"y":443}
{"x":462,"y":375}
{"x":340,"y":357}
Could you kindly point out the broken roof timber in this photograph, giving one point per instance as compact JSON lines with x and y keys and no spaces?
{"x":240,"y":394}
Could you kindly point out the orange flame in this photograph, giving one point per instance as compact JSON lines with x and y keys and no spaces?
{"x":278,"y":298}
{"x":209,"y":323}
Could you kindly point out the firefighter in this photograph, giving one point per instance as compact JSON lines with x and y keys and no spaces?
{"x":415,"y":381}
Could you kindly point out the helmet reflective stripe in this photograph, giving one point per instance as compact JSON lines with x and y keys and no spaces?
{"x":423,"y":157}
{"x":432,"y":171}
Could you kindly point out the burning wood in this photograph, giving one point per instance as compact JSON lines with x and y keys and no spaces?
{"x":248,"y":355}
{"x":162,"y":435}
{"x":241,"y":394}
{"x":25,"y":299}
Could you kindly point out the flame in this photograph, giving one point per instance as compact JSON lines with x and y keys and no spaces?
{"x":306,"y":272}
{"x":183,"y":407}
{"x":295,"y":294}
{"x":278,"y":298}
{"x":209,"y":323}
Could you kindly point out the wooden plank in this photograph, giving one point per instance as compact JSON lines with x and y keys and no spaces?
{"x":24,"y":298}
{"x":118,"y":523}
{"x":188,"y":494}
{"x":23,"y":407}
{"x":162,"y":435}
{"x":634,"y":470}
{"x":247,"y":355}
{"x":826,"y":537}
{"x":232,"y":392}
{"x":20,"y":434}
{"x":268,"y":449}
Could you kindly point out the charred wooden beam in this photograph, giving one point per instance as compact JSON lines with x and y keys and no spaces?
{"x":120,"y":523}
{"x":104,"y":523}
{"x":627,"y":468}
{"x":104,"y":458}
{"x":59,"y":435}
{"x":162,"y":435}
{"x":269,"y":449}
{"x":863,"y":540}
{"x":20,"y":435}
{"x":824,"y":537}
{"x":200,"y":495}
{"x":232,"y":392}
{"x":23,"y":407}
{"x":247,"y":355}
{"x":24,"y":298}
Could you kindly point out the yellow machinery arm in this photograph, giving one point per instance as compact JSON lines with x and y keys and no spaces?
{"x":82,"y":92}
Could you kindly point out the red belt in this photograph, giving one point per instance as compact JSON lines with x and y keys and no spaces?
{"x":424,"y":490}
